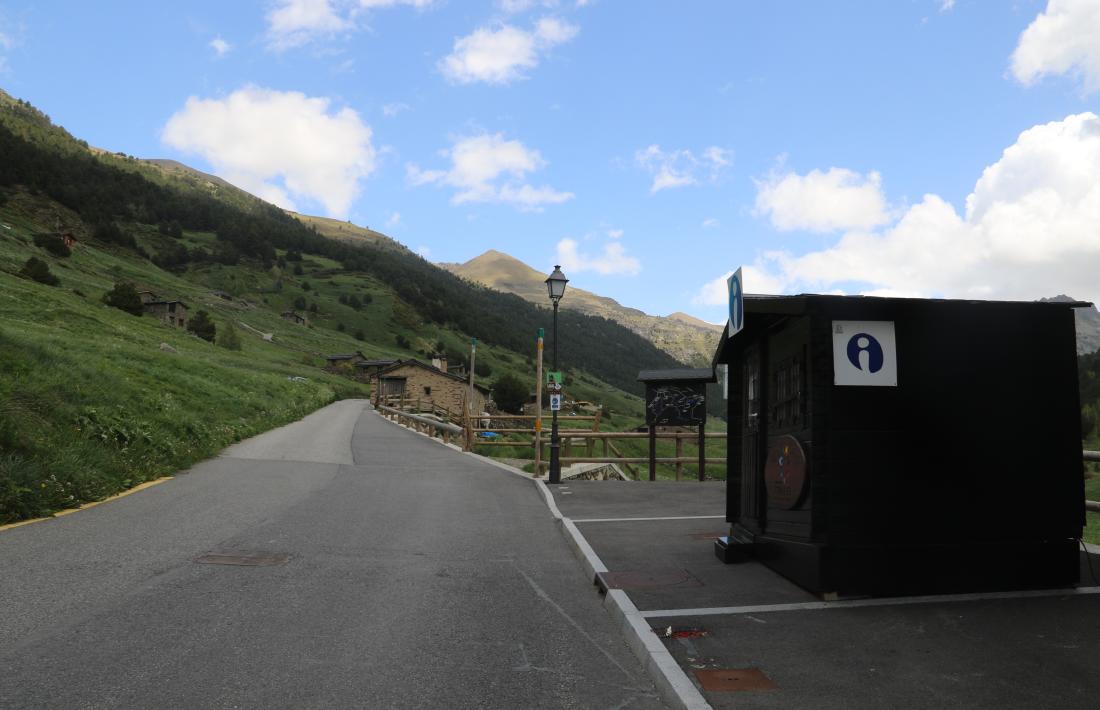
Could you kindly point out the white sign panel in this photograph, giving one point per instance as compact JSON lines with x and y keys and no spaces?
{"x":864,"y":353}
{"x":737,"y":302}
{"x":555,"y":403}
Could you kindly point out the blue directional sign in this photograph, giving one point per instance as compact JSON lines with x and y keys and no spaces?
{"x":737,"y":302}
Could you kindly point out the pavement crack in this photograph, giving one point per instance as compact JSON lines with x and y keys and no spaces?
{"x":541,"y":593}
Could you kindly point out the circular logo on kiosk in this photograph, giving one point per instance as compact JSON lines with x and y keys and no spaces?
{"x":785,"y":473}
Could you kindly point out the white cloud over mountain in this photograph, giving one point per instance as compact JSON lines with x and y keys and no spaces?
{"x":503,"y":53}
{"x":490,"y":168}
{"x":1030,"y":229}
{"x":281,"y":146}
{"x":612,"y":260}
{"x":1063,"y":39}
{"x":822,"y":201}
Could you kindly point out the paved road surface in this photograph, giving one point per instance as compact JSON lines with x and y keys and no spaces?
{"x":417,"y":577}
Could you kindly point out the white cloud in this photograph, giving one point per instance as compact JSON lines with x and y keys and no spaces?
{"x":281,"y":146}
{"x":1061,"y":40}
{"x":679,"y":168}
{"x":1029,"y":230}
{"x":614,"y":233}
{"x":424,"y":251}
{"x":823,"y":201}
{"x":947,"y":5}
{"x":488,"y":168}
{"x":391,"y":110}
{"x":710,"y":223}
{"x":292,"y":23}
{"x":394,"y":220}
{"x":502,"y":54}
{"x":613,"y":260}
{"x":220,"y":46}
{"x":754,"y":277}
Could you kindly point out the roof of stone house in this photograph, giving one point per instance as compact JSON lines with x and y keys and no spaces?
{"x":414,"y":362}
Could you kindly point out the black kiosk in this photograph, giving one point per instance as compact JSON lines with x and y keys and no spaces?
{"x":905,"y":446}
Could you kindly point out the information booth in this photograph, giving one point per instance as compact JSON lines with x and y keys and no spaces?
{"x":904,"y":446}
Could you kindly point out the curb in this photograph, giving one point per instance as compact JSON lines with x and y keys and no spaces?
{"x":668,"y":677}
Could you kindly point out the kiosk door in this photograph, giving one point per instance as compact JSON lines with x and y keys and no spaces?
{"x":752,"y":441}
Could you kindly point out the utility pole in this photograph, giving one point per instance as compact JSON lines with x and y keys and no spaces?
{"x":473,"y":356}
{"x":538,"y":407}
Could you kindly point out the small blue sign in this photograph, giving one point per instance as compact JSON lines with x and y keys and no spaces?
{"x":736,"y":302}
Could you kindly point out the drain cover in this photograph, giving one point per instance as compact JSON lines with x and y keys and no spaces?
{"x":244,"y":559}
{"x":735,"y":679}
{"x":649,"y":579}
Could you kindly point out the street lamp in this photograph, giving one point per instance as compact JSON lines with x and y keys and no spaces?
{"x":555,"y":285}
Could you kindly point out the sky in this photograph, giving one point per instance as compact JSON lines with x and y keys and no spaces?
{"x":933,"y":148}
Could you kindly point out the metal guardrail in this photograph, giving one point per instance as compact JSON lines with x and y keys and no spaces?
{"x":426,"y":425}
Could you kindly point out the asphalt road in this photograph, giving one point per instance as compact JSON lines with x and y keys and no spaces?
{"x":400,"y":573}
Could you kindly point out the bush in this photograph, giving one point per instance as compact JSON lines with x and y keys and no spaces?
{"x":227,"y":337}
{"x":53,"y":244}
{"x":482,"y":369}
{"x":109,"y":232}
{"x":37,"y":270}
{"x":403,"y":342}
{"x":360,"y":335}
{"x":201,"y":325}
{"x":510,"y":393}
{"x":340,"y":327}
{"x":298,"y":270}
{"x":300,"y":303}
{"x":125,"y":298}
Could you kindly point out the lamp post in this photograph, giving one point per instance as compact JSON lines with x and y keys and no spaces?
{"x":555,"y":285}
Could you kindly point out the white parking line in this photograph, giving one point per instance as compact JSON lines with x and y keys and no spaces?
{"x":856,"y":603}
{"x":628,"y":520}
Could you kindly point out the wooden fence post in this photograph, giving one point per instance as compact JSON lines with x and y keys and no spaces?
{"x":653,"y":452}
{"x":679,"y":454}
{"x":702,"y":453}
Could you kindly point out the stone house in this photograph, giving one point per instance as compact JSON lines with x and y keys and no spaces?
{"x":345,"y":360}
{"x":173,"y":313}
{"x":294,"y":318}
{"x":418,"y":381}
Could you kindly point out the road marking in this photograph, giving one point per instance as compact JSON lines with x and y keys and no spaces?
{"x":628,"y":520}
{"x":857,"y":603}
{"x":70,"y":511}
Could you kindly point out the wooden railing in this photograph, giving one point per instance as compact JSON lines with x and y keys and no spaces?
{"x":1091,"y":505}
{"x":446,"y":431}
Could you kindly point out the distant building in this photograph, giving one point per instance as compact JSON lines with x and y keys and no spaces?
{"x":348,"y":360}
{"x":173,"y":313}
{"x":294,"y":318}
{"x":69,"y":239}
{"x":418,"y":381}
{"x":368,"y":368}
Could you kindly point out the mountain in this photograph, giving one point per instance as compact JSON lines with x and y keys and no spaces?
{"x":1088,"y":325}
{"x":689,"y":340}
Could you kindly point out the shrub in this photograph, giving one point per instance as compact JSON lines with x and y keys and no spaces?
{"x":52,"y":243}
{"x":300,"y":303}
{"x":201,"y":325}
{"x":298,"y":270}
{"x":510,"y":393}
{"x":354,"y":302}
{"x":37,"y":270}
{"x":359,"y":335}
{"x":227,"y":336}
{"x":403,"y":342}
{"x":340,"y":327}
{"x":125,"y":298}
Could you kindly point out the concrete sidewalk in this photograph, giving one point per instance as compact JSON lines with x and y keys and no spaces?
{"x":772,"y":644}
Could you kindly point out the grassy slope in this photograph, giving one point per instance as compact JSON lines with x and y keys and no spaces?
{"x":91,"y":405}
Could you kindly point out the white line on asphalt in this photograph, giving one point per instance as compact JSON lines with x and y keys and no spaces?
{"x":628,"y":520}
{"x":856,"y":603}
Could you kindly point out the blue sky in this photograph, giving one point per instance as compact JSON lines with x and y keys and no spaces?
{"x":915,"y":147}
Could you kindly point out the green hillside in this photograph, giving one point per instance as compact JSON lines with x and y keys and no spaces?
{"x":95,"y":404}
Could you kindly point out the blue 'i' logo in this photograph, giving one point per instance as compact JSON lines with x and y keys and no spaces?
{"x":865,"y":343}
{"x":736,"y":309}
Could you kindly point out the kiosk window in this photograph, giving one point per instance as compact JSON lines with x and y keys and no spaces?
{"x":786,"y":406}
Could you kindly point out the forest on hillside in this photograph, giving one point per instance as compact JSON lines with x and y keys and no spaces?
{"x":108,"y":193}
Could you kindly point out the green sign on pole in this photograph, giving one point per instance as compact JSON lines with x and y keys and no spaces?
{"x":553,"y":378}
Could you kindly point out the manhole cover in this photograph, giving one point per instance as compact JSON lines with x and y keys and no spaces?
{"x":735,"y":679}
{"x":649,"y":579}
{"x":244,"y":559}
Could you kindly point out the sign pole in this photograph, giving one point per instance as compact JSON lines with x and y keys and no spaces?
{"x":473,"y":356}
{"x":538,"y":407}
